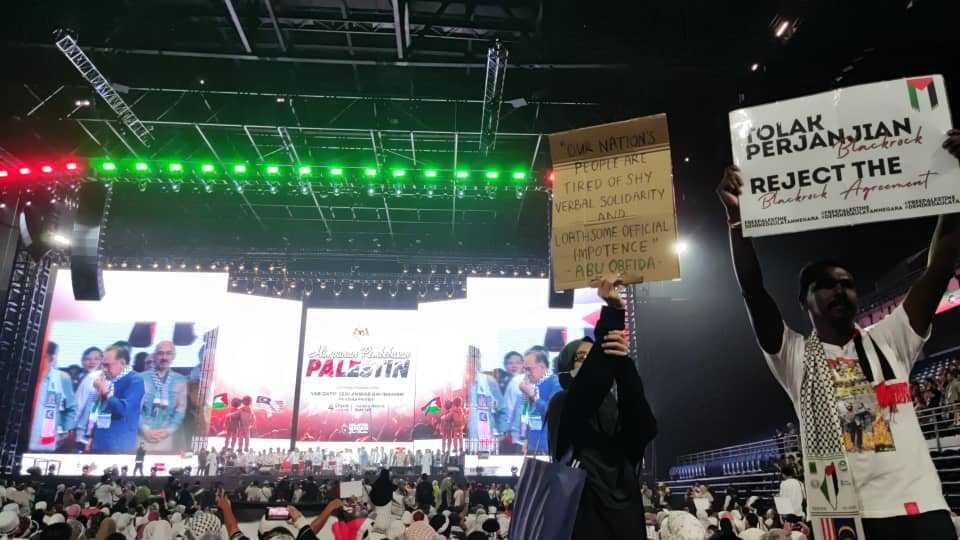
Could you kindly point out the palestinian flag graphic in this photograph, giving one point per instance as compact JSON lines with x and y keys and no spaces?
{"x":220,"y":401}
{"x":915,"y":91}
{"x":432,"y":406}
{"x":830,"y":486}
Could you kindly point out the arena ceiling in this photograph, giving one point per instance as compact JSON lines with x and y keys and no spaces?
{"x":394,"y":83}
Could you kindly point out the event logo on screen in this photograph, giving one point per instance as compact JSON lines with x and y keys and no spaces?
{"x":366,"y":362}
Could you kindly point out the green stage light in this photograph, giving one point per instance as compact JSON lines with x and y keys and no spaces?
{"x":430,"y":173}
{"x":399,"y":173}
{"x":109,"y":166}
{"x":175,"y":167}
{"x":206,"y":168}
{"x":336,"y":171}
{"x":463,"y":174}
{"x":370,"y":172}
{"x":492,"y":175}
{"x":141,"y":166}
{"x":519,"y":175}
{"x":305,"y":171}
{"x":240,"y":168}
{"x":273,"y":169}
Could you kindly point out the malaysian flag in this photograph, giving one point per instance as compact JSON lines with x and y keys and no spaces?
{"x":267,"y":404}
{"x":838,"y":529}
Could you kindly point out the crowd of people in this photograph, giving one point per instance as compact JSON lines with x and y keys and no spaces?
{"x":315,"y":460}
{"x":936,"y":392}
{"x":386,"y":508}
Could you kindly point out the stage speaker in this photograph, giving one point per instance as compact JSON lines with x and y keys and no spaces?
{"x":33,"y":225}
{"x":93,"y":203}
{"x":560,"y":299}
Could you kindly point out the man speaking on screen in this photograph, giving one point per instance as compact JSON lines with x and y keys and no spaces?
{"x":881,"y":473}
{"x":117,"y":410}
{"x":164,"y":401}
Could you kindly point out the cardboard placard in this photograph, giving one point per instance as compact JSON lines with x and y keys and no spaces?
{"x":853,"y":155}
{"x":613,"y":203}
{"x":353,"y":488}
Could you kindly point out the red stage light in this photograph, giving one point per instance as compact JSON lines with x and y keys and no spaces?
{"x":46,"y":169}
{"x":4,"y":174}
{"x":551,"y":176}
{"x":71,"y":166}
{"x":24,"y":170}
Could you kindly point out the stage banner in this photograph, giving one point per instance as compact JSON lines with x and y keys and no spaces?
{"x":853,"y":155}
{"x":613,"y":203}
{"x":357,"y":382}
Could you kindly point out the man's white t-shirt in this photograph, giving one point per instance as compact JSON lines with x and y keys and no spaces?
{"x":887,"y":452}
{"x":458,"y":496}
{"x":751,"y":534}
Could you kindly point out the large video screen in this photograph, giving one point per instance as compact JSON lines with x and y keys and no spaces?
{"x":452,"y":370}
{"x":164,"y":358}
{"x":168,"y":359}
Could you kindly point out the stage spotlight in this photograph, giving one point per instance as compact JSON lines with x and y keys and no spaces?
{"x":240,"y":168}
{"x":754,"y":67}
{"x":206,"y":168}
{"x":370,"y":172}
{"x":24,"y":170}
{"x":175,"y":167}
{"x":399,"y":173}
{"x":782,"y":28}
{"x":46,"y":169}
{"x":59,"y":239}
{"x":141,"y":166}
{"x":305,"y":171}
{"x":680,"y":247}
{"x":430,"y":173}
{"x":109,"y":166}
{"x":155,"y":265}
{"x":72,"y":166}
{"x":4,"y":174}
{"x":82,"y":103}
{"x":280,"y":99}
{"x":462,"y":174}
{"x":371,"y":191}
{"x":336,"y":171}
{"x":273,"y":169}
{"x":492,"y":175}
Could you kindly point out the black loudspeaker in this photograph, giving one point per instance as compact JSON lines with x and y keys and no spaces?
{"x":560,"y":299}
{"x":93,"y":203}
{"x":33,"y":225}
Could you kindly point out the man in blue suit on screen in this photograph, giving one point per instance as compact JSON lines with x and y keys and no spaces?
{"x":538,"y":386}
{"x":117,"y":411}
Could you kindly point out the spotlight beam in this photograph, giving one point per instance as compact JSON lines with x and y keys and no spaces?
{"x":276,"y":26}
{"x":222,"y":167}
{"x":236,"y":24}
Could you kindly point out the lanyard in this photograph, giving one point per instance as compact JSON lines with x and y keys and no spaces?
{"x":887,"y":371}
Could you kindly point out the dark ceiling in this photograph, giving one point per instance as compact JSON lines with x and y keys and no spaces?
{"x":354,"y":92}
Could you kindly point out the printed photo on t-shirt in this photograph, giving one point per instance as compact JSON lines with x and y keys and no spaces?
{"x":866,"y":426}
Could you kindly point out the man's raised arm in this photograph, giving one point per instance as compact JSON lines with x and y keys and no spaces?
{"x":764,"y":314}
{"x":924,"y":296}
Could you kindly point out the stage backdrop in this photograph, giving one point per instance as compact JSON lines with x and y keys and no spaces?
{"x":388,"y":376}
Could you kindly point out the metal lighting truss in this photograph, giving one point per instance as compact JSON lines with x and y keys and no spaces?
{"x":492,"y":97}
{"x":69,"y":47}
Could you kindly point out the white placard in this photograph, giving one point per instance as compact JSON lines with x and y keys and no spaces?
{"x":784,"y":506}
{"x":353,"y":488}
{"x":853,"y":155}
